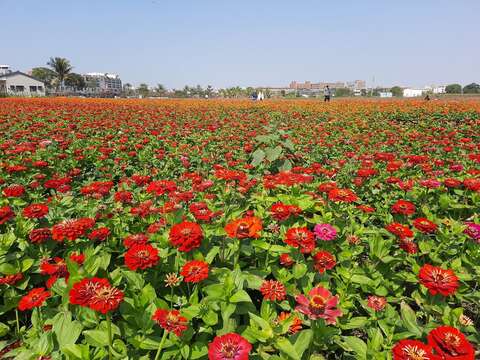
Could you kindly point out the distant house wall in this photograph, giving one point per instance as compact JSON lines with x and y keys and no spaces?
{"x":412,"y":92}
{"x":23,"y":85}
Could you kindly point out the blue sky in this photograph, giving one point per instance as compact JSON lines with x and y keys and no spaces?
{"x":259,"y":43}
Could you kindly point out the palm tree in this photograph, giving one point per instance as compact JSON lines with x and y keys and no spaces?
{"x":61,"y":67}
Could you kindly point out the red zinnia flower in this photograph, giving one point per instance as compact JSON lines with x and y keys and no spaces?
{"x":376,"y":303}
{"x":450,"y":344}
{"x":327,"y":187}
{"x":323,"y":260}
{"x":282,"y":212}
{"x":171,"y":321}
{"x":35,"y":211}
{"x":82,"y":291}
{"x":273,"y":290}
{"x":105,"y":299}
{"x":38,"y":236}
{"x":194,"y":271}
{"x":408,"y":245}
{"x":99,"y":234}
{"x":438,"y":280}
{"x":399,"y":230}
{"x":141,"y":257}
{"x":201,"y":212}
{"x":124,"y":197}
{"x":247,"y":227}
{"x":97,"y":294}
{"x":403,"y":207}
{"x":286,"y":260}
{"x":71,"y":229}
{"x":56,"y":269}
{"x":78,"y":258}
{"x":35,"y":298}
{"x":425,"y":225}
{"x":342,"y":195}
{"x":11,"y":279}
{"x":412,"y":350}
{"x":14,"y":191}
{"x":186,"y":236}
{"x":230,"y":346}
{"x":300,"y":238}
{"x":6,"y":213}
{"x":135,"y":239}
{"x":320,"y":304}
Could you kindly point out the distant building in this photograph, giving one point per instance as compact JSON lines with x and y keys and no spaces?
{"x":5,"y":69}
{"x":357,"y":85}
{"x":437,"y":89}
{"x":103,"y":83}
{"x":16,"y":83}
{"x":385,"y":94}
{"x":408,"y":92}
{"x":354,"y":86}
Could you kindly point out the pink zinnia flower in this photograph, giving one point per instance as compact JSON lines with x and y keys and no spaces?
{"x":473,"y":231}
{"x":320,"y":304}
{"x":325,"y":232}
{"x":230,"y":346}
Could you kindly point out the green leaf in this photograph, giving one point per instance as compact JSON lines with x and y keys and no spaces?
{"x":27,"y":264}
{"x":8,"y":269}
{"x":199,"y":350}
{"x":375,"y":340}
{"x":66,"y":330}
{"x":273,"y":154}
{"x":356,"y":345}
{"x":355,"y":323}
{"x":361,"y":279}
{"x":287,"y":348}
{"x":409,"y":319}
{"x":75,"y":352}
{"x":258,"y":156}
{"x":299,"y":270}
{"x":3,"y":329}
{"x":303,"y":341}
{"x":97,"y":338}
{"x":240,"y":296}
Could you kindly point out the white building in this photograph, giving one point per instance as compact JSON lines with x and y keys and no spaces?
{"x":386,"y":94}
{"x":436,"y":89}
{"x":16,"y":83}
{"x":412,"y":92}
{"x":103,"y":83}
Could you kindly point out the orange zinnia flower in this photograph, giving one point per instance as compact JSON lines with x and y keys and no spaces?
{"x":247,"y":227}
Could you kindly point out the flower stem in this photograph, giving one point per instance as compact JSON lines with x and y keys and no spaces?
{"x":161,"y":344}
{"x":17,"y":322}
{"x":109,"y":329}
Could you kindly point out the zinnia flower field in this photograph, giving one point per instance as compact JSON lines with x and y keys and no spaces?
{"x":233,"y":230}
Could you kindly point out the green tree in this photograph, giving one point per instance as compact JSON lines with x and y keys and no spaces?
{"x":75,"y":80}
{"x":143,"y":90}
{"x":61,"y":67}
{"x":472,"y":88}
{"x":45,"y":75}
{"x":160,"y":90}
{"x":341,"y":92}
{"x":396,"y":91}
{"x":209,"y":91}
{"x":453,"y":89}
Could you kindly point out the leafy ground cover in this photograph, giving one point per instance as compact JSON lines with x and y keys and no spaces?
{"x":236,"y":230}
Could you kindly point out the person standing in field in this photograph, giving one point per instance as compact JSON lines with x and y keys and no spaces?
{"x":327,"y":93}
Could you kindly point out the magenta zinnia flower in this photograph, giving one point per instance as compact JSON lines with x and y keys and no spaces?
{"x":320,"y":304}
{"x":473,"y":231}
{"x":325,"y":232}
{"x":229,"y":347}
